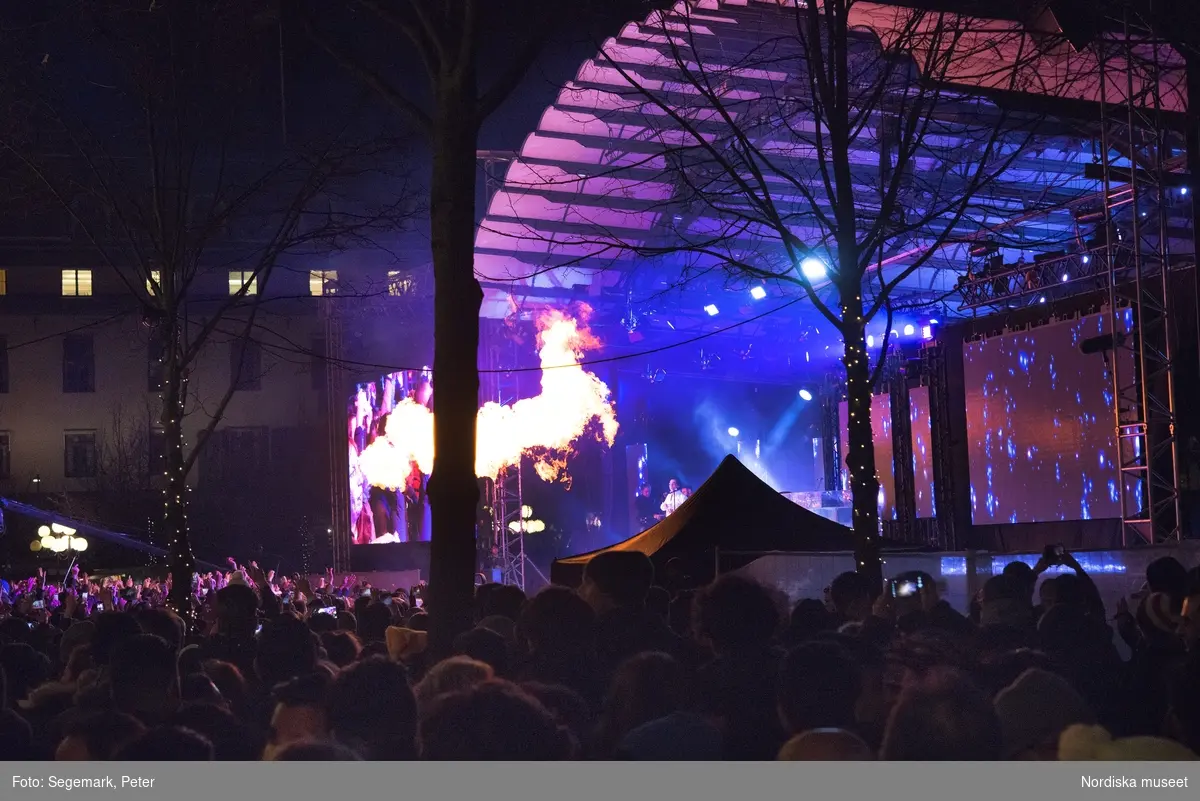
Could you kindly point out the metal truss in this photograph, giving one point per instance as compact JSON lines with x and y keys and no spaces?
{"x":1046,"y":278}
{"x":505,"y":496}
{"x":339,"y":487}
{"x":1144,"y":403}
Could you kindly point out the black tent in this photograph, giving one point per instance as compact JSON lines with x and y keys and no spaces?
{"x":734,"y":512}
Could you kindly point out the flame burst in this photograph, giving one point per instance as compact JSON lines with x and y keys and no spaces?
{"x":542,"y":427}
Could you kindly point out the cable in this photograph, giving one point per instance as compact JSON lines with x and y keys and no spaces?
{"x":84,"y":327}
{"x":585,"y":363}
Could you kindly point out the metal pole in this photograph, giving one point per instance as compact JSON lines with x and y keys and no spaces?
{"x":1110,"y":262}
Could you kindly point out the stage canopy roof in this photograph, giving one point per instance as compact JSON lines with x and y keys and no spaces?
{"x":734,"y":511}
{"x":576,"y":210}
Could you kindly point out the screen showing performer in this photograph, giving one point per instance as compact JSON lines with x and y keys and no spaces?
{"x":388,"y":483}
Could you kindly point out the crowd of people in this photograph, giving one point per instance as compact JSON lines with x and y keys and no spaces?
{"x":621,"y":668}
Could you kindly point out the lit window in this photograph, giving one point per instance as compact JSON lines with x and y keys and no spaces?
{"x":76,"y":283}
{"x":155,"y":281}
{"x":242,"y":278}
{"x":399,"y":283}
{"x":3,"y":282}
{"x":322,"y":282}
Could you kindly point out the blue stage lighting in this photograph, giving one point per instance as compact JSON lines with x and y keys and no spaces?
{"x":758,"y":292}
{"x":926,"y":332}
{"x":733,"y":432}
{"x":909,"y":330}
{"x":805,"y":395}
{"x":712,"y":310}
{"x":870,"y":341}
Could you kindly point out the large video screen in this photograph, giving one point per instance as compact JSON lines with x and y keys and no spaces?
{"x":388,"y":501}
{"x":922,"y":450}
{"x":1040,"y":426}
{"x":885,"y":469}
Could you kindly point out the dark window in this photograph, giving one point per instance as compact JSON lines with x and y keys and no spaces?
{"x":79,"y":363}
{"x":79,"y":456}
{"x":5,"y":456}
{"x":245,"y":364}
{"x":318,"y":371}
{"x":154,"y":364}
{"x":156,"y":459}
{"x":3,"y":365}
{"x":237,"y":456}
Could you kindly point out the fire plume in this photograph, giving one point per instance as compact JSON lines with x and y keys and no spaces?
{"x":543,"y":427}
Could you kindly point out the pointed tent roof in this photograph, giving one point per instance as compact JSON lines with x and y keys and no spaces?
{"x":734,"y":510}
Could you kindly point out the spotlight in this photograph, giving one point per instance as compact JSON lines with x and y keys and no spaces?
{"x":895,"y":334}
{"x":1183,"y":190}
{"x":870,"y":341}
{"x":909,"y":330}
{"x":1042,"y":299}
{"x":733,"y":432}
{"x":805,"y":395}
{"x":926,"y":332}
{"x":712,"y":310}
{"x":758,"y":292}
{"x":1086,"y":259}
{"x":1065,"y":278}
{"x":813,"y":268}
{"x":933,"y":322}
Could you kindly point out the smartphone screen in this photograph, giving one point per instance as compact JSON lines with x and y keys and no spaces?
{"x":327,"y":610}
{"x":39,"y":604}
{"x":420,"y":602}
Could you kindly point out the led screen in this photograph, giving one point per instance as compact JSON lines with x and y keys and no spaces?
{"x":922,"y":450}
{"x":1040,"y":426}
{"x":881,"y":426}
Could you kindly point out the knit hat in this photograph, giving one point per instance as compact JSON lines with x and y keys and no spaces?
{"x":403,"y":644}
{"x":1095,"y":744}
{"x":1157,"y":613}
{"x":1036,"y":708}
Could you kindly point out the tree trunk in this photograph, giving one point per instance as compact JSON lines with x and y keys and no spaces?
{"x":860,"y":453}
{"x":453,"y":490}
{"x":181,"y":561}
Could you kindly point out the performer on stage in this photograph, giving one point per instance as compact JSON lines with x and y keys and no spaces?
{"x":647,"y":509}
{"x":673,"y":499}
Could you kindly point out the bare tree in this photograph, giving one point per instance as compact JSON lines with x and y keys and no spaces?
{"x":150,"y":127}
{"x":473,"y":55}
{"x":834,"y":147}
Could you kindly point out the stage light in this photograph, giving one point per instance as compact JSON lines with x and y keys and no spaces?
{"x":909,"y":330}
{"x":870,"y":341}
{"x":926,"y":332}
{"x":813,"y":268}
{"x":1183,"y":190}
{"x":1065,"y":278}
{"x":895,"y":334}
{"x":758,"y":292}
{"x":805,"y":395}
{"x":712,"y":310}
{"x":1042,"y":299}
{"x":733,"y":432}
{"x":1086,"y":259}
{"x":933,"y":322}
